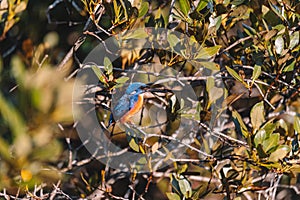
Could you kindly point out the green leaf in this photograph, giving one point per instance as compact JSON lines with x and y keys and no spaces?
{"x":207,"y":52}
{"x":210,"y":83}
{"x":249,"y":30}
{"x":136,"y":34}
{"x":99,"y":73}
{"x":122,"y":80}
{"x":173,"y":196}
{"x":256,"y":72}
{"x":185,"y":187}
{"x":271,"y":143}
{"x":260,"y":137}
{"x":184,"y":6}
{"x":12,"y":117}
{"x":210,"y":65}
{"x":297,"y":124}
{"x":173,"y":40}
{"x":108,"y":65}
{"x":242,"y":127}
{"x":290,"y":67}
{"x":133,"y":145}
{"x":294,"y":40}
{"x":201,"y":5}
{"x":236,"y":76}
{"x":214,"y":93}
{"x":144,"y":9}
{"x":280,"y":153}
{"x":257,"y":116}
{"x":279,"y":44}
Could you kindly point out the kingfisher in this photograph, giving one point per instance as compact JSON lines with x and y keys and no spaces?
{"x":129,"y":104}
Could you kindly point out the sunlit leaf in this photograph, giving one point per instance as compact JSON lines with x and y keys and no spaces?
{"x":297,"y":124}
{"x":257,"y":116}
{"x":271,"y":142}
{"x":280,"y":153}
{"x":136,"y":34}
{"x":290,"y":67}
{"x":207,"y":52}
{"x":122,"y":79}
{"x":201,"y":5}
{"x":133,"y":145}
{"x":173,"y":40}
{"x":236,"y":76}
{"x":184,"y":6}
{"x":260,"y":137}
{"x":99,"y":73}
{"x":210,"y":83}
{"x":210,"y":65}
{"x":173,"y":196}
{"x":108,"y":65}
{"x":279,"y":44}
{"x":144,"y":8}
{"x":185,"y":187}
{"x":249,"y":30}
{"x":294,"y":40}
{"x":214,"y":93}
{"x":256,"y":72}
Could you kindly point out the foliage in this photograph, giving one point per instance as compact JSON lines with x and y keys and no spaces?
{"x":241,"y":60}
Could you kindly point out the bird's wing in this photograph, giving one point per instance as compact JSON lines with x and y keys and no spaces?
{"x":122,"y":107}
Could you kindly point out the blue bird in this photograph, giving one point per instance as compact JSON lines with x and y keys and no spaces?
{"x":129,"y":104}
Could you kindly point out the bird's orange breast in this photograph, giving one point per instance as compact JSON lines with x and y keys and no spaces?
{"x":136,"y":108}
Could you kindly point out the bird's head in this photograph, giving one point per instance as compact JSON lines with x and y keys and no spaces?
{"x":135,"y":88}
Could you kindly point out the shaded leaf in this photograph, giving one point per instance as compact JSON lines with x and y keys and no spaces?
{"x":242,"y":126}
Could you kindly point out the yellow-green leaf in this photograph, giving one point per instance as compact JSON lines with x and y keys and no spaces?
{"x":144,"y":8}
{"x":133,"y":145}
{"x":236,"y":76}
{"x":257,"y":116}
{"x":173,"y":196}
{"x":279,"y":154}
{"x":184,"y":6}
{"x":208,"y":52}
